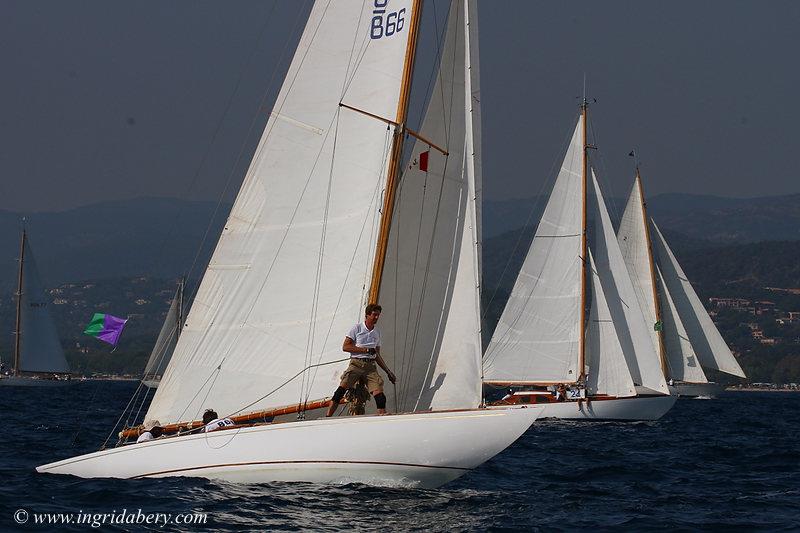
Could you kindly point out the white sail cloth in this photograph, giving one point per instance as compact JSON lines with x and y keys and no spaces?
{"x":706,"y":340}
{"x":430,"y":290}
{"x":166,"y":341}
{"x":633,"y":332}
{"x":289,"y":275}
{"x":606,"y":369}
{"x":681,"y":359}
{"x":40,"y":349}
{"x":537,"y":337}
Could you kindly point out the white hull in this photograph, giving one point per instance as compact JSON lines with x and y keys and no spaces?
{"x":22,"y":381}
{"x":696,"y":390}
{"x":420,"y":449}
{"x":151,"y":383}
{"x":630,"y":409}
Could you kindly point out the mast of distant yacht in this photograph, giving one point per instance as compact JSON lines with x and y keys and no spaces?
{"x":18,"y":323}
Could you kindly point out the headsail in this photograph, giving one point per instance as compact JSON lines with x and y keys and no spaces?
{"x":289,"y":274}
{"x":681,"y":359}
{"x":537,"y":337}
{"x":40,"y":349}
{"x":166,"y":341}
{"x":430,"y":290}
{"x":643,"y":361}
{"x":706,"y":339}
{"x":606,"y":369}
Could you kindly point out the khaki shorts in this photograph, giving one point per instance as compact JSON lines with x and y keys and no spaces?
{"x":364,"y":370}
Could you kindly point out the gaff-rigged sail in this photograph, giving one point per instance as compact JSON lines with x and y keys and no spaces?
{"x":288,"y":276}
{"x":706,"y":339}
{"x":39,"y":347}
{"x":537,"y":337}
{"x":430,"y":290}
{"x":643,"y":361}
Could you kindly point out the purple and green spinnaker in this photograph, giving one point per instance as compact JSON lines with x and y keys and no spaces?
{"x":107,"y":328}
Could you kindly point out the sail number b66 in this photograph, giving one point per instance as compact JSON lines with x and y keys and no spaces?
{"x":385,"y":24}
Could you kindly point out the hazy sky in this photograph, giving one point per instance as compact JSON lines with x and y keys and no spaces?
{"x":106,"y":100}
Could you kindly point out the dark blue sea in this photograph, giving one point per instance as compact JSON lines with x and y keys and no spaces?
{"x":731,"y":464}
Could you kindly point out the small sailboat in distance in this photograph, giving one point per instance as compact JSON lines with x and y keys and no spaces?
{"x":39,"y":359}
{"x":166,"y":341}
{"x":318,"y":230}
{"x":544,"y":349}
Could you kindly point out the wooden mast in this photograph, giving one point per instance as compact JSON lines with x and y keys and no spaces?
{"x":396,"y":154}
{"x":584,"y":255}
{"x":659,"y":333}
{"x":18,"y":323}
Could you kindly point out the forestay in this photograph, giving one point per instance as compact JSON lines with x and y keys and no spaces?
{"x":40,"y":349}
{"x":537,"y":337}
{"x":290,"y":272}
{"x":681,"y":359}
{"x":606,"y":369}
{"x":643,"y":361}
{"x":706,"y":340}
{"x":430,"y":325}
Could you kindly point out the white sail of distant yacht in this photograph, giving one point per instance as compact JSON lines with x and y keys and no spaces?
{"x":668,"y":333}
{"x":706,"y":341}
{"x":329,"y":218}
{"x":38,"y":356}
{"x":542,"y":338}
{"x":166,"y":341}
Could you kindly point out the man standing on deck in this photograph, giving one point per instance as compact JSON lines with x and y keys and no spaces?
{"x":363,"y":342}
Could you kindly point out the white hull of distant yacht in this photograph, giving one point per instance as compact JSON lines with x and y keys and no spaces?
{"x":419,"y":449}
{"x":629,"y":409}
{"x":699,"y":390}
{"x":24,"y":381}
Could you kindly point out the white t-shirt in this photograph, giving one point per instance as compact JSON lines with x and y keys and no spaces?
{"x":219,"y":423}
{"x":144,"y":437}
{"x":364,"y":338}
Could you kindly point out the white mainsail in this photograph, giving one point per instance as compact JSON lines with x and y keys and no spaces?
{"x":633,"y":332}
{"x":290,"y":272}
{"x":430,"y":289}
{"x":606,"y":369}
{"x":681,"y":359}
{"x":166,"y":341}
{"x":39,"y":347}
{"x":708,"y":344}
{"x":538,"y":336}
{"x":635,"y":246}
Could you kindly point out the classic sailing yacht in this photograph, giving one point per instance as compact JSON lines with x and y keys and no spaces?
{"x":603,"y":369}
{"x":166,"y":341}
{"x":690,"y":335}
{"x":323,"y":224}
{"x":38,"y":356}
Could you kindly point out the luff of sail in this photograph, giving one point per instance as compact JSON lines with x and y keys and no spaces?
{"x":643,"y":361}
{"x":538,"y":336}
{"x":166,"y":341}
{"x":681,"y":359}
{"x":289,"y":273}
{"x":606,"y":369}
{"x":430,"y":291}
{"x":706,"y":339}
{"x":39,"y":347}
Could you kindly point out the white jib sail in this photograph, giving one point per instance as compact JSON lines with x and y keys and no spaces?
{"x":165,"y":343}
{"x":537,"y":337}
{"x":681,"y":359}
{"x":430,"y":325}
{"x":632,"y":238}
{"x":606,"y":369}
{"x":290,"y":272}
{"x":706,"y":339}
{"x":40,"y":349}
{"x":633,"y":332}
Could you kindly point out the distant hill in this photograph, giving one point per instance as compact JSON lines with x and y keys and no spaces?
{"x":147,"y":236}
{"x":713,"y":218}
